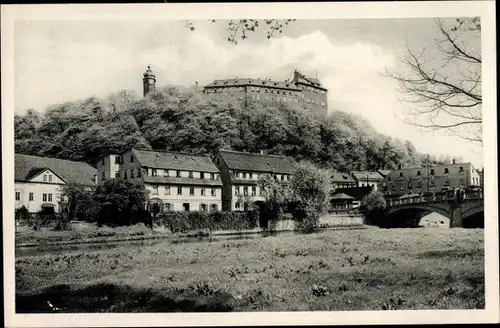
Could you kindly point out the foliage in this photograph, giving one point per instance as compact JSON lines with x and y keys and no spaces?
{"x":182,"y":222}
{"x":446,"y":89}
{"x":276,"y":197}
{"x":76,"y":202}
{"x":176,"y":119}
{"x":374,"y":206}
{"x":310,"y":194}
{"x":125,"y":195}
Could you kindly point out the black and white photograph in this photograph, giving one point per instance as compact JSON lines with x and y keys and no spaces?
{"x":332,"y":160}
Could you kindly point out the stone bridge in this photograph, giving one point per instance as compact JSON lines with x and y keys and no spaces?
{"x":466,"y":212}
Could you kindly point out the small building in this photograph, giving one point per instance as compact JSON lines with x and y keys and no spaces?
{"x":343,"y":180}
{"x":174,"y":181}
{"x":342,"y":202}
{"x":367,"y":179}
{"x":38,"y":181}
{"x":240,"y":173}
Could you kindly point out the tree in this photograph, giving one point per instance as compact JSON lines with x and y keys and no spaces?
{"x":239,"y":29}
{"x":76,"y":201}
{"x":310,"y":189}
{"x":276,"y":197}
{"x":373,"y":207}
{"x":446,"y":90}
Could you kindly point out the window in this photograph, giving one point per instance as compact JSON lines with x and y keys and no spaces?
{"x":125,"y":174}
{"x":45,"y":177}
{"x":179,"y":190}
{"x":117,"y":160}
{"x":153,"y":172}
{"x":389,"y":178}
{"x":139,"y":172}
{"x":432,"y":171}
{"x":117,"y":174}
{"x":461,"y":169}
{"x":31,"y":196}
{"x":445,"y":170}
{"x":203,"y":191}
{"x":254,"y":190}
{"x":237,"y":190}
{"x":282,"y":177}
{"x":245,"y":206}
{"x":103,"y":160}
{"x":213,"y":207}
{"x":18,"y":195}
{"x":44,"y":197}
{"x":178,"y":173}
{"x":244,"y":175}
{"x":168,"y":207}
{"x":50,"y":177}
{"x":432,"y":183}
{"x":213,"y":191}
{"x":190,"y":174}
{"x":132,"y":174}
{"x":186,"y":207}
{"x":212,"y":176}
{"x":165,"y":173}
{"x":131,"y":158}
{"x":237,"y":205}
{"x":191,"y":191}
{"x":203,"y":207}
{"x":155,"y":190}
{"x":418,"y":172}
{"x":409,"y":184}
{"x":400,"y":174}
{"x":167,"y":190}
{"x":202,"y":175}
{"x":446,"y":182}
{"x":103,"y":176}
{"x":245,"y":190}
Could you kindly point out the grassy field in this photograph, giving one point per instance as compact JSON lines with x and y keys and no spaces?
{"x":372,"y":269}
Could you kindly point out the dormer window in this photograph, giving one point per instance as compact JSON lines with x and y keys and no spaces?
{"x":153,"y":172}
{"x":202,"y":175}
{"x":178,"y":174}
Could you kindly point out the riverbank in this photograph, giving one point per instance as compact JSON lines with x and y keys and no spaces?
{"x":372,"y":269}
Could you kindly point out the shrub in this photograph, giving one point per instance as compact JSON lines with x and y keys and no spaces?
{"x":190,"y":221}
{"x":373,"y":208}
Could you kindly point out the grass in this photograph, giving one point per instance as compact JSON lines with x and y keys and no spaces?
{"x":372,"y":269}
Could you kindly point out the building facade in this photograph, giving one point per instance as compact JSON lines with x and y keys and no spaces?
{"x":240,"y":173}
{"x":367,"y":179}
{"x":301,"y":89}
{"x":38,"y":181}
{"x":174,"y":181}
{"x":343,"y":180}
{"x":431,"y":179}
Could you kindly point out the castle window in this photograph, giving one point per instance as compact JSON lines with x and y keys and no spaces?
{"x":446,"y":170}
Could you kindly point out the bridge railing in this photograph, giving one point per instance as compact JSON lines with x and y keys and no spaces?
{"x":435,"y":197}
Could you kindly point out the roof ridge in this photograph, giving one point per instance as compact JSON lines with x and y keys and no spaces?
{"x":247,"y":153}
{"x":170,"y":152}
{"x":46,"y":157}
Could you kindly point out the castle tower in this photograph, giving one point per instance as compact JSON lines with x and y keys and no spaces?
{"x":148,"y":81}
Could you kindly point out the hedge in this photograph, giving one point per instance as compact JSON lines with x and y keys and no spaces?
{"x":190,"y":221}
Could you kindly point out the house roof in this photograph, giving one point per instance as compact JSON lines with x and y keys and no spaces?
{"x":342,"y":177}
{"x":364,"y":175}
{"x":265,"y":83}
{"x":27,"y":167}
{"x":342,"y":196}
{"x":257,"y":162}
{"x":174,"y":161}
{"x":356,"y":192}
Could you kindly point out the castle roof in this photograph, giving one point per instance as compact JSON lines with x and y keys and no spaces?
{"x":27,"y":167}
{"x":263,"y":83}
{"x":253,"y":162}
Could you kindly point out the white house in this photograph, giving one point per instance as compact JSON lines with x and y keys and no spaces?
{"x":38,"y":180}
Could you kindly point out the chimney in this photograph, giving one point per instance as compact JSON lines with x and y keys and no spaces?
{"x":453,"y":161}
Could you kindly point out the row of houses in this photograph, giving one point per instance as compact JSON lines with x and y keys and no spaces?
{"x":228,"y":181}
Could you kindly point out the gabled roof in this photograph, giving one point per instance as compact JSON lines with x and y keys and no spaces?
{"x":364,"y":175}
{"x":252,"y":162}
{"x":265,"y":83}
{"x":384,"y":173}
{"x":342,"y":196}
{"x":26,"y":167}
{"x":342,"y":177}
{"x":174,"y":161}
{"x":356,"y":192}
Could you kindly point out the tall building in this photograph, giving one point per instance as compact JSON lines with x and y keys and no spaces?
{"x":38,"y":181}
{"x":431,"y":179}
{"x":240,"y":173}
{"x":148,"y":81}
{"x":301,"y":89}
{"x":174,"y":181}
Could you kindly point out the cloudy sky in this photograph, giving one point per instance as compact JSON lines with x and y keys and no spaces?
{"x":63,"y":61}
